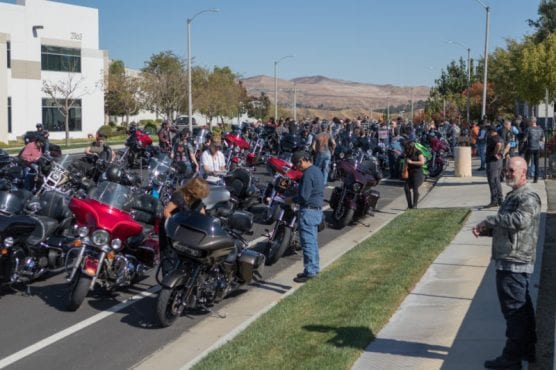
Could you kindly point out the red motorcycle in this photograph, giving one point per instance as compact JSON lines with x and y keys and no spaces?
{"x":278,"y":165}
{"x":235,"y":152}
{"x":116,"y":250}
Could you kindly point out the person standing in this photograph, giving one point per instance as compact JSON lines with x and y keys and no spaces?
{"x":494,"y":155}
{"x":164,"y":138}
{"x":310,"y":200}
{"x":481,"y":145}
{"x":323,"y":146}
{"x":514,"y":231}
{"x":534,"y":140}
{"x":415,"y":161}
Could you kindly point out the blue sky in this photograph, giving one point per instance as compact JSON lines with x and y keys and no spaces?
{"x":401,"y":42}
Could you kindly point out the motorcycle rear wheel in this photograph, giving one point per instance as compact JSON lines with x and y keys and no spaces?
{"x":79,"y":290}
{"x":279,"y":245}
{"x":169,"y":305}
{"x":342,"y":216}
{"x":436,"y":170}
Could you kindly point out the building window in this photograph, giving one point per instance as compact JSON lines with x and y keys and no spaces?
{"x":9,"y":53}
{"x":53,"y":119}
{"x":9,"y":114}
{"x":55,"y":58}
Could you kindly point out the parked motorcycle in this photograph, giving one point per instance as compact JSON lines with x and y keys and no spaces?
{"x":213,"y":261}
{"x":116,"y":251}
{"x":244,"y":192}
{"x":356,"y":197}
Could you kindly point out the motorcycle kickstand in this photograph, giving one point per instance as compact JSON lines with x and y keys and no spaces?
{"x":216,"y":314}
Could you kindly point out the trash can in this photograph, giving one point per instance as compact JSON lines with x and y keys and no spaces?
{"x":462,"y":161}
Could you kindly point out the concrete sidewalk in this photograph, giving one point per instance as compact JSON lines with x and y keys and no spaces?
{"x":451,"y":319}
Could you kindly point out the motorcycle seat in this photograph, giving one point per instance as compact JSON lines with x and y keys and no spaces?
{"x":135,"y":241}
{"x":45,"y":226}
{"x":16,"y":226}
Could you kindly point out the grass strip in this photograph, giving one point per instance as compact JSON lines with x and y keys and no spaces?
{"x":329,"y":321}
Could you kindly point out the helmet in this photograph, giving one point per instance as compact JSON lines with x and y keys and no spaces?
{"x":114,"y":174}
{"x":39,"y":126}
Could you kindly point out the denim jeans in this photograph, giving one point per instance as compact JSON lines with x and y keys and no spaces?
{"x":517,"y":308}
{"x":309,"y":220}
{"x":532,"y":159}
{"x":481,"y":151}
{"x":322,"y":161}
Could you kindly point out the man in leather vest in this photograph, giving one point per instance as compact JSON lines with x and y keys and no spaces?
{"x":515,"y":230}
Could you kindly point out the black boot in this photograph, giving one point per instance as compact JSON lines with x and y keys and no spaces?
{"x":503,"y":363}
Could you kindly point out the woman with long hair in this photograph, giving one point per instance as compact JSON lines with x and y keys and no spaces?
{"x":189,"y":196}
{"x":415,"y":161}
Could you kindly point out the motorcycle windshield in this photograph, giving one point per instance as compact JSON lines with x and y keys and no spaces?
{"x":64,"y":161}
{"x":159,"y":165}
{"x":13,"y":202}
{"x":113,"y":194}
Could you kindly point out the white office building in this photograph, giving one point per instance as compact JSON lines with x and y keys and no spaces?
{"x":54,"y":43}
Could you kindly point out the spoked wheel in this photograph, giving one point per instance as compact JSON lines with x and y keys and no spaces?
{"x":342,"y":216}
{"x":169,"y":305}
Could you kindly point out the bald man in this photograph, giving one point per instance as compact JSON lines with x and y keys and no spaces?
{"x":514,"y":231}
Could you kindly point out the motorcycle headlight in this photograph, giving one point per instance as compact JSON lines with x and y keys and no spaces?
{"x":116,"y":244}
{"x":82,"y":231}
{"x":356,"y":186}
{"x":100,"y":237}
{"x":8,"y":242}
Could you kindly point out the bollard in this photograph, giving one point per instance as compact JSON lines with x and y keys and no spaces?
{"x":462,"y":161}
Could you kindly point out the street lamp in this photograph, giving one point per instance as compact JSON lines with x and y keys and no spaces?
{"x":485,"y":74}
{"x":276,"y":86}
{"x":468,"y":72}
{"x":189,"y":96}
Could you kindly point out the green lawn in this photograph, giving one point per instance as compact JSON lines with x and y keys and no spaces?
{"x":327,"y":322}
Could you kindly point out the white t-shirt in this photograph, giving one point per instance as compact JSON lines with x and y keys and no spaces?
{"x":214,"y":163}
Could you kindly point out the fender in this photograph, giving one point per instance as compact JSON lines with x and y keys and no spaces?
{"x":350,"y":202}
{"x":173,"y":279}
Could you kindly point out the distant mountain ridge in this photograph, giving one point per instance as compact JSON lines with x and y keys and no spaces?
{"x":320,"y":92}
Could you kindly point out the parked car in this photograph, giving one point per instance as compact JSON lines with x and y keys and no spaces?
{"x":183,"y":122}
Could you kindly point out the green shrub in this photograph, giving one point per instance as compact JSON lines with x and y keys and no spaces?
{"x":151,"y":128}
{"x":105,"y":130}
{"x":112,"y":124}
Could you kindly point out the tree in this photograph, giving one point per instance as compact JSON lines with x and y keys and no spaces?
{"x":505,"y":74}
{"x":121,"y":95}
{"x":64,"y":95}
{"x":537,"y":72}
{"x":222,"y":95}
{"x":259,"y":107}
{"x":546,"y":23}
{"x":164,"y":82}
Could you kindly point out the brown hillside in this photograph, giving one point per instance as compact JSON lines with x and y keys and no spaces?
{"x":321,"y":94}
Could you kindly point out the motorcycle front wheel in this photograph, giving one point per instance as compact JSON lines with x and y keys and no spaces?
{"x":79,"y":290}
{"x":436,"y":170}
{"x":342,"y":216}
{"x":279,"y":245}
{"x":169,"y":305}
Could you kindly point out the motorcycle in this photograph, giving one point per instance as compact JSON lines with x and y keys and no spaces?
{"x":356,"y":197}
{"x":116,"y":250}
{"x":138,"y":149}
{"x":244,"y":193}
{"x":213,"y":261}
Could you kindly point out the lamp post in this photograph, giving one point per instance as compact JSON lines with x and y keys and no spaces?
{"x":468,"y":72}
{"x":189,"y":95}
{"x":485,"y":73}
{"x":276,"y":86}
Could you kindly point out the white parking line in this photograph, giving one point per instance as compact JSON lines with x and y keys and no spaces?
{"x":27,"y":351}
{"x":75,"y":328}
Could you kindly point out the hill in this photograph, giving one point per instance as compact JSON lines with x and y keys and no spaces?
{"x":334,"y":97}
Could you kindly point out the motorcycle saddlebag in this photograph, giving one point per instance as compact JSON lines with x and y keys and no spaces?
{"x":374,"y":196}
{"x":250,"y":263}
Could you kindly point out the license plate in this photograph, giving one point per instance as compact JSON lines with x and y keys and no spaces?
{"x":90,"y":265}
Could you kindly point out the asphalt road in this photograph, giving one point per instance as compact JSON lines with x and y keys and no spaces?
{"x":37,"y":333}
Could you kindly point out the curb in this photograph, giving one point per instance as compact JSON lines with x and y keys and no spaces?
{"x":210,"y":334}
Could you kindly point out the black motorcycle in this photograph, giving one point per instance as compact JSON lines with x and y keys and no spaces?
{"x":244,"y":193}
{"x":212,"y":261}
{"x":356,"y":197}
